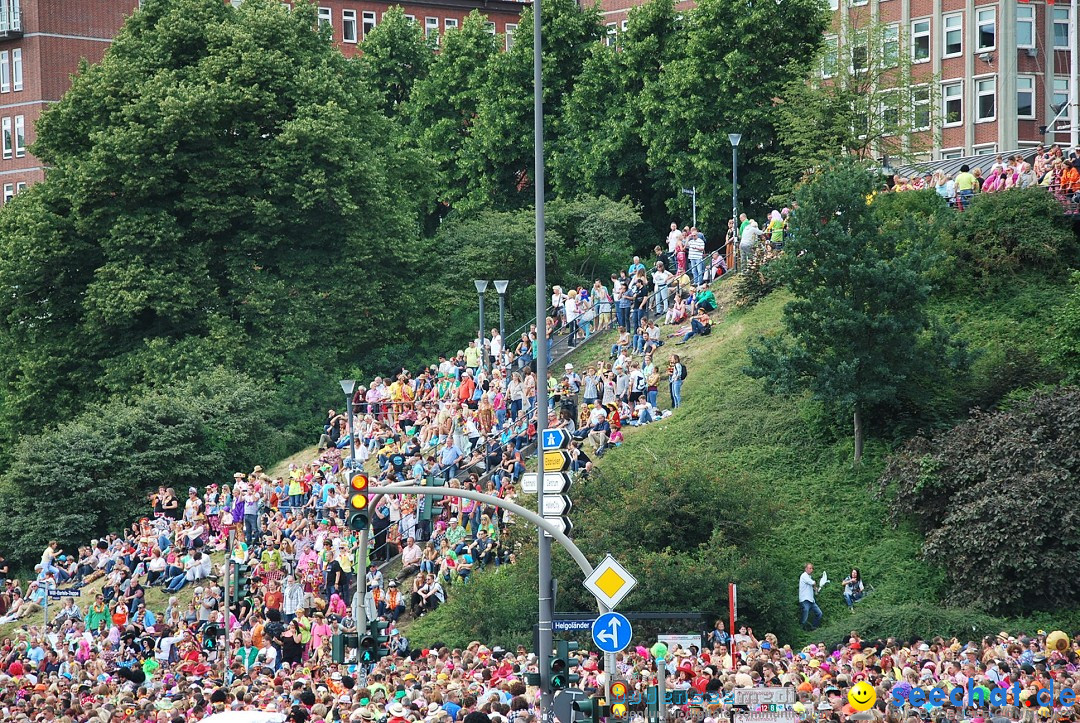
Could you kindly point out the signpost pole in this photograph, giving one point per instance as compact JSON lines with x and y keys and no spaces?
{"x":609,"y":674}
{"x":661,"y":685}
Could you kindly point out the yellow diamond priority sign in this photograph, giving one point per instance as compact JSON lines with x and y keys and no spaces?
{"x":610,"y":582}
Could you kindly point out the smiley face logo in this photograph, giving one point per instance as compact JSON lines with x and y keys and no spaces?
{"x":862,"y":696}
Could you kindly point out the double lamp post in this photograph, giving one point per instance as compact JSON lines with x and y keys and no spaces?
{"x":481,"y":287}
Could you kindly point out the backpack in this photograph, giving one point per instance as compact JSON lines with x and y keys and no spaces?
{"x":683,"y":375}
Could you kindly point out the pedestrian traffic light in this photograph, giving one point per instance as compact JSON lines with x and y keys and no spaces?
{"x":431,"y":507}
{"x":210,"y":634}
{"x":377,"y":630}
{"x":358,"y":502}
{"x":565,"y":651}
{"x":241,"y":582}
{"x":652,"y":703}
{"x":368,"y":652}
{"x":593,"y":708}
{"x":618,"y":699}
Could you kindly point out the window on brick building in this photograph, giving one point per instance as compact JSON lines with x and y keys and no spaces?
{"x":369,"y":22}
{"x":489,"y":27}
{"x":348,"y":26}
{"x":953,"y":36}
{"x":952,"y":103}
{"x":920,"y":41}
{"x":9,"y":192}
{"x":16,"y":69}
{"x":890,"y":46}
{"x":985,"y":100}
{"x":1025,"y":96}
{"x":511,"y":28}
{"x":985,"y":24}
{"x":1025,"y":26}
{"x":431,"y":27}
{"x":5,"y":71}
{"x":1061,"y":28}
{"x":920,"y":100}
{"x":326,"y":19}
{"x":5,"y":137}
{"x":20,"y":136}
{"x":830,"y":61}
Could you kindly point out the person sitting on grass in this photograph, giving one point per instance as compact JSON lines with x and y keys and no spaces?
{"x":700,"y":324}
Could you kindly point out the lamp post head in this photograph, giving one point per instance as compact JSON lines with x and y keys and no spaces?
{"x":348,"y":386}
{"x":734,"y":138}
{"x":500,"y":286}
{"x":481,"y":285}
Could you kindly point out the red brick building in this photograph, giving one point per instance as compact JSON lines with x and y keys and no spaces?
{"x":42,"y":42}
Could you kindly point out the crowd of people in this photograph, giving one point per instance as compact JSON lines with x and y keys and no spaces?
{"x":1050,"y":169}
{"x":466,"y":422}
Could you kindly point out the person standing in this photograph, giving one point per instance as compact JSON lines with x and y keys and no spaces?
{"x":807,"y":597}
{"x":676,"y":374}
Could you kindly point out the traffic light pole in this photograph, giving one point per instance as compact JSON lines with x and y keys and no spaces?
{"x":225,"y":599}
{"x":360,"y":565}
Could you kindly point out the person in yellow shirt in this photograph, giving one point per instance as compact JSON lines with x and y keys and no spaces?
{"x":965,"y":185}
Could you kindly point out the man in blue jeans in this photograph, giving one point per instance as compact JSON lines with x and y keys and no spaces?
{"x":807,"y":590}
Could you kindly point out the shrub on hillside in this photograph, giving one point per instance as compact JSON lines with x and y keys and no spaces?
{"x":998,"y":498}
{"x":91,"y":475}
{"x":1066,"y":349}
{"x":908,"y":621}
{"x":1001,"y":233}
{"x":756,"y":280}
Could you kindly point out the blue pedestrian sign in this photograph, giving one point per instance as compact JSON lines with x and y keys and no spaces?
{"x":555,"y":439}
{"x":611,"y":632}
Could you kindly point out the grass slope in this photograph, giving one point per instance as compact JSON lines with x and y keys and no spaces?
{"x":771,"y":459}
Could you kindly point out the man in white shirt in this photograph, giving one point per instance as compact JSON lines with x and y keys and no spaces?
{"x":673,"y":238}
{"x":807,"y":602}
{"x":661,"y":277}
{"x":696,"y":255}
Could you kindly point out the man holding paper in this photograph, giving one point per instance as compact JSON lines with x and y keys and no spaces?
{"x":807,"y":602}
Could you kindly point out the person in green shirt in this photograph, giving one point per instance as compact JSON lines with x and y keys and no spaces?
{"x":455,"y":534}
{"x":965,"y":184}
{"x":705,"y":299}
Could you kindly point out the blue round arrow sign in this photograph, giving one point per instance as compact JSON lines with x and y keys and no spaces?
{"x":611,"y":632}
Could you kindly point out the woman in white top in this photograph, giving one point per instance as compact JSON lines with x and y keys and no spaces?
{"x":570,"y":313}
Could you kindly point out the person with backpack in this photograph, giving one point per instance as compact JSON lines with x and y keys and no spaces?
{"x":637,"y":383}
{"x":700,"y":324}
{"x":676,"y":376}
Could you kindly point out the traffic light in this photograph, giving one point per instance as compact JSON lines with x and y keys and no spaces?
{"x":557,"y":676}
{"x":593,"y":708}
{"x":377,"y":630}
{"x":431,"y":506}
{"x":652,"y":703}
{"x":210,"y":634}
{"x":358,"y":502}
{"x":618,"y":699}
{"x":241,"y":582}
{"x":368,"y":652}
{"x":564,"y":651}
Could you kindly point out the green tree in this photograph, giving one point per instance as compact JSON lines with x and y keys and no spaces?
{"x":396,"y":56}
{"x":851,"y":332}
{"x":603,"y":152}
{"x":216,"y":184}
{"x":732,"y":61}
{"x":865,"y":98}
{"x":91,"y":475}
{"x":497,"y":155}
{"x":1014,"y":470}
{"x":444,"y":103}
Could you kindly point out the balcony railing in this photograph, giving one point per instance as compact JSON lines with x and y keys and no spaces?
{"x":10,"y":19}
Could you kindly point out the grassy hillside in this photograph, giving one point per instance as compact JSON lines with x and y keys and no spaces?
{"x":741,"y":486}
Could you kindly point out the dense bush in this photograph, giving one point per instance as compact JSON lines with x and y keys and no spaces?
{"x":755,"y":280}
{"x":92,"y":475}
{"x":1001,"y":233}
{"x":998,"y":498}
{"x":1066,"y":349}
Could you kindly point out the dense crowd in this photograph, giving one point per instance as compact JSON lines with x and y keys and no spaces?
{"x":467,"y":420}
{"x":1050,"y":168}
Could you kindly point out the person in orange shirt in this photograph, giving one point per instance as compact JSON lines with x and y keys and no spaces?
{"x":1070,"y":179}
{"x":274,"y":597}
{"x":466,"y":390}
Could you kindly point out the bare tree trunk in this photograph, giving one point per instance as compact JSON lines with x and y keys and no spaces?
{"x":858,"y":437}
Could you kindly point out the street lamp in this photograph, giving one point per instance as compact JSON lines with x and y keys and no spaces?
{"x":735,"y":138}
{"x":500,"y":286}
{"x":692,"y":193}
{"x":481,"y":287}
